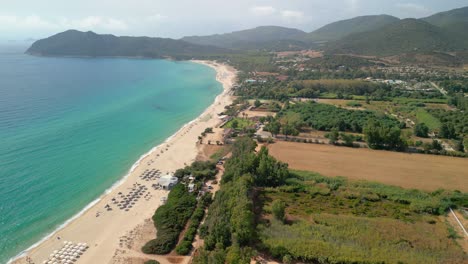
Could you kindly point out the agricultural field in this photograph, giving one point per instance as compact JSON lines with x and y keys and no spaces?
{"x":334,"y":220}
{"x":427,"y":172}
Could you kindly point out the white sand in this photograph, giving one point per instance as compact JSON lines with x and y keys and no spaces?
{"x":103,"y":233}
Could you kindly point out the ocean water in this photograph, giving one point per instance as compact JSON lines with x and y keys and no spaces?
{"x":72,"y":127}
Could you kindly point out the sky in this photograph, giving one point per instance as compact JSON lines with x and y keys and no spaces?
{"x":34,"y":19}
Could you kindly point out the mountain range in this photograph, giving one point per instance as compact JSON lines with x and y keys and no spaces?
{"x":378,"y":35}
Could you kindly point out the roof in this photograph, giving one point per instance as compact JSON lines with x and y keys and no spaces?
{"x":167,"y":180}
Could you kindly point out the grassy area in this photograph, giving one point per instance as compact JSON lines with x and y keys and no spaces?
{"x":333,"y":220}
{"x":422,"y":116}
{"x":403,"y":100}
{"x":223,"y":151}
{"x":239,"y":123}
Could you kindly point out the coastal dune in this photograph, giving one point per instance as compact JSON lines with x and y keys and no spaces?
{"x":108,"y":233}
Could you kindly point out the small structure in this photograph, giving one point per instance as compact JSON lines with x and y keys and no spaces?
{"x":191,"y":187}
{"x":168,"y":181}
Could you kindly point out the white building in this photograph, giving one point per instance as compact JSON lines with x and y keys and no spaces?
{"x":191,"y":187}
{"x":167,"y":181}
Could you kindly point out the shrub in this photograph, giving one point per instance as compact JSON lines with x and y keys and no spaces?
{"x":152,"y":262}
{"x":278,"y":208}
{"x":170,"y":219}
{"x":184,"y":247}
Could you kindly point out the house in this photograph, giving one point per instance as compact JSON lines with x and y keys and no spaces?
{"x":168,"y":181}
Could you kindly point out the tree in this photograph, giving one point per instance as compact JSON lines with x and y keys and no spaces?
{"x":421,"y":130}
{"x":348,"y":139}
{"x":278,"y":209}
{"x":333,"y":136}
{"x":367,"y":99}
{"x":447,"y":131}
{"x":257,"y":103}
{"x":380,"y":136}
{"x":465,"y":144}
{"x":274,"y":127}
{"x":289,"y":129}
{"x":234,"y":123}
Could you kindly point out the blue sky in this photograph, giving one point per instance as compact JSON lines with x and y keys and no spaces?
{"x":22,"y":19}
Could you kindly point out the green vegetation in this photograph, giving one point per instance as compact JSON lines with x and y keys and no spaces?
{"x":229,"y":227}
{"x":152,"y":262}
{"x":76,"y":43}
{"x":326,"y":117}
{"x":334,"y":220}
{"x":307,"y":217}
{"x":383,"y":136}
{"x":239,"y":123}
{"x":169,"y":220}
{"x":454,"y":124}
{"x":421,"y":130}
{"x":423,"y":116}
{"x":278,"y":207}
{"x":201,"y":170}
{"x":265,"y":37}
{"x":404,"y":36}
{"x":184,"y":246}
{"x":354,"y":104}
{"x":340,"y":29}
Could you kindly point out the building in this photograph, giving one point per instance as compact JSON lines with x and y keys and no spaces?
{"x":168,"y":181}
{"x":191,"y":187}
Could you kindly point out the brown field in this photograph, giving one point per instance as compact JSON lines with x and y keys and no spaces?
{"x":419,"y":171}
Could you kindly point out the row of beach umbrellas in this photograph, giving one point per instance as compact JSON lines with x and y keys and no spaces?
{"x":68,"y":254}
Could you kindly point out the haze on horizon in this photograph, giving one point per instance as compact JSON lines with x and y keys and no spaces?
{"x":23,"y":19}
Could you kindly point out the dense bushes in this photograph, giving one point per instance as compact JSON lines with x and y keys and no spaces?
{"x":152,"y":262}
{"x":169,"y":220}
{"x":201,"y":170}
{"x":185,"y":245}
{"x":229,"y":226}
{"x":326,"y":117}
{"x":382,"y":136}
{"x":454,"y":123}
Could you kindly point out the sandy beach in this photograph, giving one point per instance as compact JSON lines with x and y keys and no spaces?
{"x":116,"y":235}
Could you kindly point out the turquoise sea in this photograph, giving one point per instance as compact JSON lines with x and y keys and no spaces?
{"x":72,"y":127}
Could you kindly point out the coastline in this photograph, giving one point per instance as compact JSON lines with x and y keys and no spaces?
{"x":176,"y":151}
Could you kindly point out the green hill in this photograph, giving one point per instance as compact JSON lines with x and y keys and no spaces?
{"x":77,"y":43}
{"x":343,"y":28}
{"x":408,"y":35}
{"x":265,"y":37}
{"x":448,"y":18}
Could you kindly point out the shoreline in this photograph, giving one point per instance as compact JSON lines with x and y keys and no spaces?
{"x":41,"y":250}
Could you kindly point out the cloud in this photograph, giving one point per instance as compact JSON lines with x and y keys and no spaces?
{"x":262,"y":10}
{"x":353,"y":5}
{"x":27,"y":22}
{"x":290,"y":14}
{"x":156,"y":18}
{"x":34,"y":22}
{"x":413,"y":8}
{"x":94,"y":23}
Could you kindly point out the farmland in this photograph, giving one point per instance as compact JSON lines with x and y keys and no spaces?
{"x":417,"y":171}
